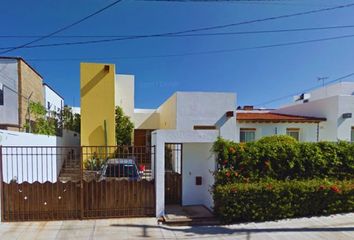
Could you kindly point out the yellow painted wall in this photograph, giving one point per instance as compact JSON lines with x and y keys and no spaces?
{"x":97,"y":104}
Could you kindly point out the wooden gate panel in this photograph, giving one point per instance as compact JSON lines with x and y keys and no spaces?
{"x":40,"y":201}
{"x":37,"y":193}
{"x":119,"y":198}
{"x":173,"y":188}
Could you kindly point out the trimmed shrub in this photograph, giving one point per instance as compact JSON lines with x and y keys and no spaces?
{"x":282,"y":158}
{"x":272,"y":200}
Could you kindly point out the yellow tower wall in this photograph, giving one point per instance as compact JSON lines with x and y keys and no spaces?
{"x":97,"y":104}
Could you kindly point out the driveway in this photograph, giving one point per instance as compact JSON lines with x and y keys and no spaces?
{"x":332,"y":227}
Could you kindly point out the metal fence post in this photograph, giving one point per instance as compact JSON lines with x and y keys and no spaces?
{"x":1,"y":188}
{"x":81,"y":183}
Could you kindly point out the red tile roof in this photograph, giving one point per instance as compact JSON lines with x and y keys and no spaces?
{"x":274,"y":117}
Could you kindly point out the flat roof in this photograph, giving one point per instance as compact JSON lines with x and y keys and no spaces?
{"x":23,"y":60}
{"x":45,"y":84}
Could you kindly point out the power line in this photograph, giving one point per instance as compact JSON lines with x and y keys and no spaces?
{"x":63,"y":28}
{"x":183,"y":31}
{"x":194,"y":34}
{"x":263,"y":2}
{"x":305,"y":90}
{"x":218,"y":51}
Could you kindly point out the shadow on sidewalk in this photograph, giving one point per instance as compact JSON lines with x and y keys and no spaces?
{"x":223,"y":230}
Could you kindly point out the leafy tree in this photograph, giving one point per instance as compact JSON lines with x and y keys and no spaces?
{"x":124,"y":128}
{"x":69,"y":120}
{"x":76,"y":123}
{"x":42,"y":124}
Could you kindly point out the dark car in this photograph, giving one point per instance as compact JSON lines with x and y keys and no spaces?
{"x":120,"y":168}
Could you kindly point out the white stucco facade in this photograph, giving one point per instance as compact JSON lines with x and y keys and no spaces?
{"x":160,"y":138}
{"x":331,"y":103}
{"x":193,"y":109}
{"x":307,"y":131}
{"x":52,"y":100}
{"x":124,"y":93}
{"x":197,"y":161}
{"x":180,"y":118}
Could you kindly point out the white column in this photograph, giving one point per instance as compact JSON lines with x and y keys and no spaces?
{"x":159,"y":142}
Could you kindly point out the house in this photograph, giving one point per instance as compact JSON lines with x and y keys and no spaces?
{"x":335,"y":103}
{"x":54,"y":103}
{"x":188,"y":120}
{"x":324,"y":114}
{"x":20,"y":83}
{"x":185,"y":126}
{"x":253,"y":124}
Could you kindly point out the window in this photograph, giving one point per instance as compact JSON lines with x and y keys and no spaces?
{"x":293,"y":132}
{"x":48,"y":105}
{"x":247,"y":134}
{"x":1,"y":94}
{"x":352,"y":138}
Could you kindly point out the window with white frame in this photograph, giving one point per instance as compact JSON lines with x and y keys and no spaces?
{"x":247,"y":134}
{"x":293,"y":132}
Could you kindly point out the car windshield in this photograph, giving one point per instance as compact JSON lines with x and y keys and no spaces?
{"x":121,"y":170}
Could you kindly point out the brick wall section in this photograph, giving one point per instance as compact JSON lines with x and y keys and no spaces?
{"x":29,"y":81}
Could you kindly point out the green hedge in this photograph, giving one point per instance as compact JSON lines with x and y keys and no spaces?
{"x":261,"y":201}
{"x":281,"y":158}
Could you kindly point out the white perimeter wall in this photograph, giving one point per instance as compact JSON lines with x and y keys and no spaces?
{"x":30,"y":164}
{"x":308,"y":131}
{"x":159,"y":138}
{"x":197,"y":160}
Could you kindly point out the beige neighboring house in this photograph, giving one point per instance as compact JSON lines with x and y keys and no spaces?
{"x":20,"y":83}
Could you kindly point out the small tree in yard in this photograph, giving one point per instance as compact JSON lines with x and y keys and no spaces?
{"x":70,"y":121}
{"x":42,"y":124}
{"x":124,"y":128}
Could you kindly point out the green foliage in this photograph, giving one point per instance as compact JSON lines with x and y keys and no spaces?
{"x":42,"y":124}
{"x":45,"y":126}
{"x":281,"y":158}
{"x":70,"y":121}
{"x":272,"y":200}
{"x":76,"y":127}
{"x":37,"y":109}
{"x":94,"y":163}
{"x":278,"y":177}
{"x":124,"y":128}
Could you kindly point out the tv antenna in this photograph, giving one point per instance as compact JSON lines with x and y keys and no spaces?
{"x":322,"y":79}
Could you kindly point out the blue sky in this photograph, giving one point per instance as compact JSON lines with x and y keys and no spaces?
{"x":255,"y":75}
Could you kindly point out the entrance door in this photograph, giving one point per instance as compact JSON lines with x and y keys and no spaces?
{"x":173,"y":173}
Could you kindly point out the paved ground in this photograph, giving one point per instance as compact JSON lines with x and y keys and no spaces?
{"x":334,"y":227}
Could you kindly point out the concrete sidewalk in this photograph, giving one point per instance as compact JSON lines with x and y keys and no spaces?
{"x":333,"y":227}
